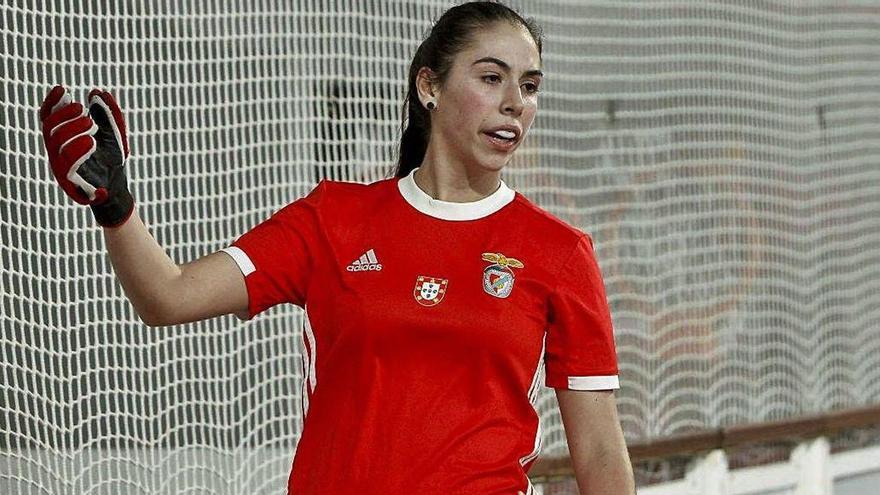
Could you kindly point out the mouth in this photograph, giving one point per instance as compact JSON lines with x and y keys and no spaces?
{"x":500,"y":143}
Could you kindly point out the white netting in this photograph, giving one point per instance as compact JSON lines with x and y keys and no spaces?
{"x":723,"y":155}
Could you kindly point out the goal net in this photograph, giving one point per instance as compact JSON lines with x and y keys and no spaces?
{"x":724,"y":156}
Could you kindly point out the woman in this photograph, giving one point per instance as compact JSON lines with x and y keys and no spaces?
{"x":432,"y":299}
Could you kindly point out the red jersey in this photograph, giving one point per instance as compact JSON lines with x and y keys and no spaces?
{"x":428,"y":328}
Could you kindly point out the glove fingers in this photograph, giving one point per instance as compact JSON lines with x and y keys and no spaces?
{"x":57,"y":98}
{"x":106,"y":113}
{"x":65,"y":132}
{"x":60,"y":116}
{"x":86,"y":147}
{"x":68,"y":135}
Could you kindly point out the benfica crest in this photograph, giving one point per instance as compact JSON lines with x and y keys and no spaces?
{"x":429,"y":291}
{"x":498,"y":278}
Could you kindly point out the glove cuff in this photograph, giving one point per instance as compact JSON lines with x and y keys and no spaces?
{"x":115,"y":211}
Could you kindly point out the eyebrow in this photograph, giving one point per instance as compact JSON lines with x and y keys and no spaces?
{"x":503,"y":65}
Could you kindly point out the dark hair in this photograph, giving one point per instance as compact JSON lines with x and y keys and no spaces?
{"x":451,"y":34}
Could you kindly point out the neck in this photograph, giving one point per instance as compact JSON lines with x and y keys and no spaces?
{"x":456,"y":184}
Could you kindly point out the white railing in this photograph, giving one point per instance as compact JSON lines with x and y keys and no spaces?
{"x":811,"y":470}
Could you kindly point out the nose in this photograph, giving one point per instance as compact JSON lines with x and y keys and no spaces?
{"x":513,"y":101}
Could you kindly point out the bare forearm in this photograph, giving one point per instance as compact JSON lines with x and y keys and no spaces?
{"x":595,"y":440}
{"x":607,"y":473}
{"x":141,"y":265}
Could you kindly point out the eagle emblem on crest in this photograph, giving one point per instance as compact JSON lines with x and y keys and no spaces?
{"x":498,"y":277}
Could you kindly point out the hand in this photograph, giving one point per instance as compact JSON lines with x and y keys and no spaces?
{"x":87,"y":152}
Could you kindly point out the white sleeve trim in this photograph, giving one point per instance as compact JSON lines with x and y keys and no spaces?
{"x":241,"y":259}
{"x":601,"y":382}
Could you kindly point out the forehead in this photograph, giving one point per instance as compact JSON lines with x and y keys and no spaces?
{"x":512,"y":44}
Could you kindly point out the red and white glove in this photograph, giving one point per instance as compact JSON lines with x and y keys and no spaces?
{"x":87,"y":152}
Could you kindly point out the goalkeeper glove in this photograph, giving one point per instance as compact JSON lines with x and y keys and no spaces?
{"x":87,"y":152}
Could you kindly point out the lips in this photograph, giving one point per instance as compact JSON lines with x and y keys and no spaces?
{"x":517,"y":132}
{"x":494,"y":136}
{"x":500,"y":144}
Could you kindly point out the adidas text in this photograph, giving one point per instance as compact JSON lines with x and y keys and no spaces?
{"x":365,"y":268}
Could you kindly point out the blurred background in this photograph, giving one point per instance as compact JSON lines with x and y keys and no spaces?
{"x":723,"y":155}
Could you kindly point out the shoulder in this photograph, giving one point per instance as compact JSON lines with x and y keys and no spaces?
{"x":550,"y":226}
{"x":339,"y":202}
{"x":335,"y":191}
{"x":356,"y":188}
{"x":340,"y":191}
{"x":564,"y":247}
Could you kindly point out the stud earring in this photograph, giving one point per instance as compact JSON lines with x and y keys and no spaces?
{"x":431,"y":105}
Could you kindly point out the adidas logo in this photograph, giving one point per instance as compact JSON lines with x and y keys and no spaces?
{"x":366,"y":262}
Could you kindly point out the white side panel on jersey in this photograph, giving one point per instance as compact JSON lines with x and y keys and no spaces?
{"x":303,"y":396}
{"x":307,"y":372}
{"x":531,"y":490}
{"x":309,"y":355}
{"x":533,"y":398}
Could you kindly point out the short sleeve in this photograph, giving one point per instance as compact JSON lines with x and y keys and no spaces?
{"x":277,"y":256}
{"x":580,"y":352}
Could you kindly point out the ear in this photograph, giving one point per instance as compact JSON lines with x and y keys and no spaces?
{"x":426,"y":85}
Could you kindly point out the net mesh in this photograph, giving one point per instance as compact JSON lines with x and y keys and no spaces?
{"x":723,"y":155}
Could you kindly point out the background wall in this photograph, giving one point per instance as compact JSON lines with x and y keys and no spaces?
{"x":722,"y":155}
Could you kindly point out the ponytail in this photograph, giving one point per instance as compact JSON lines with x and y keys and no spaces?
{"x":414,"y":139}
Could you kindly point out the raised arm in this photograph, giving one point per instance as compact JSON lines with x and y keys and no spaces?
{"x":87,"y":148}
{"x":164,"y":293}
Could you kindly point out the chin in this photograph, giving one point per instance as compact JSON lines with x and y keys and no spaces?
{"x":494,"y":165}
{"x":492,"y":162}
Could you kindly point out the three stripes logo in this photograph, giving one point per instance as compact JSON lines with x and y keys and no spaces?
{"x":367,"y":262}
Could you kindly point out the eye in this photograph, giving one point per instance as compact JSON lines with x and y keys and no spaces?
{"x":531,"y":87}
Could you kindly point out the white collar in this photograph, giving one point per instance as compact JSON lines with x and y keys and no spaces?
{"x":448,"y":210}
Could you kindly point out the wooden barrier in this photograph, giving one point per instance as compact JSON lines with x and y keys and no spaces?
{"x":799,"y":428}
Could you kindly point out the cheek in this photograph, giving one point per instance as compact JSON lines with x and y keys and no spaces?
{"x":530,"y":112}
{"x":473,"y":99}
{"x":470,"y":113}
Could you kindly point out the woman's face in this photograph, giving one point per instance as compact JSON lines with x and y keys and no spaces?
{"x":491,"y":84}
